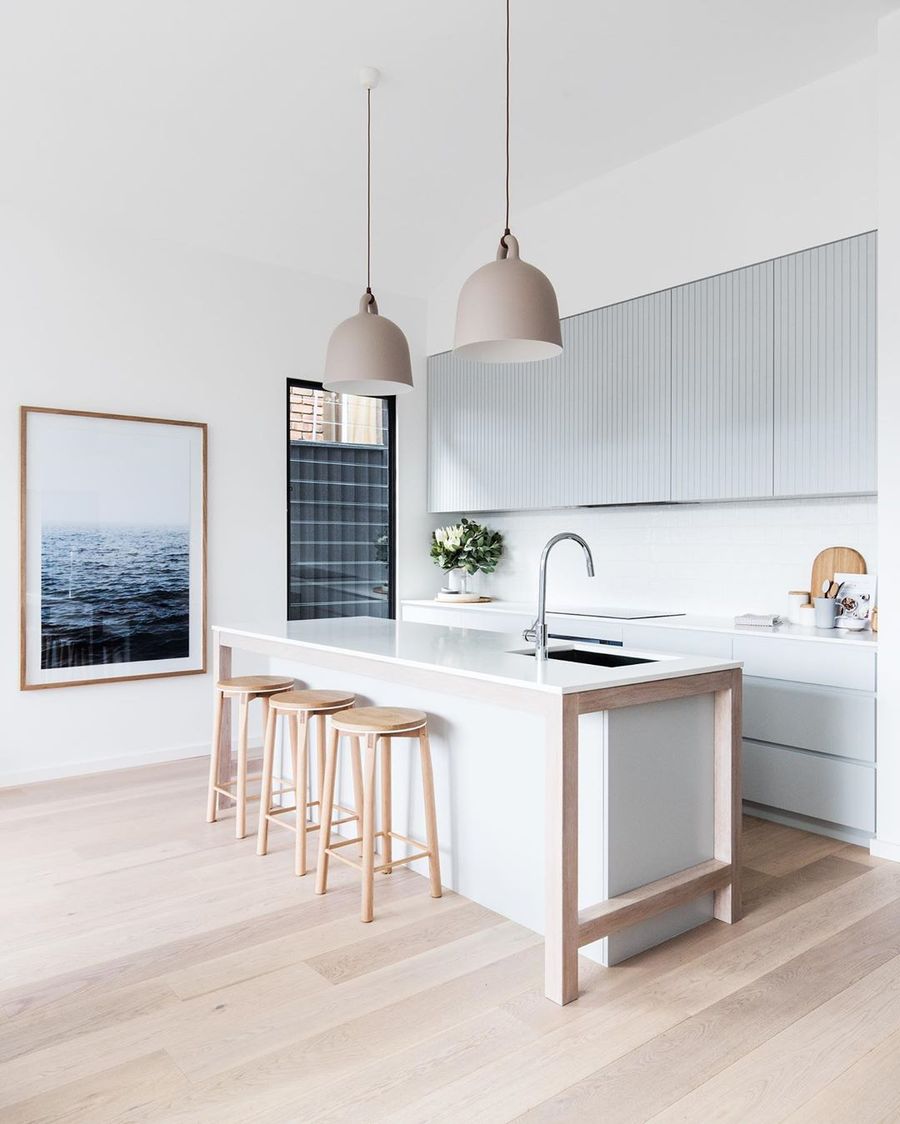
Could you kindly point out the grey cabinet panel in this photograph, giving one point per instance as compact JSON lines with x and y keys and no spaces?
{"x":621,"y":360}
{"x":589,"y":427}
{"x":825,"y":369}
{"x":722,"y":386}
{"x":487,"y":431}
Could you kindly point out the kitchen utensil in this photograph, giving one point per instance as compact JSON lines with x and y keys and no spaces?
{"x":825,"y":612}
{"x":832,"y":560}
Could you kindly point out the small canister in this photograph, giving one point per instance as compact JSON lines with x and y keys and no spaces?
{"x":797,"y":598}
{"x":807,"y":614}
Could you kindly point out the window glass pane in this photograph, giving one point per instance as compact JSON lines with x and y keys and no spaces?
{"x":340,"y":505}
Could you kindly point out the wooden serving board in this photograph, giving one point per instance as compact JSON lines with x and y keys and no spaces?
{"x":834,"y":560}
{"x":466,"y":599}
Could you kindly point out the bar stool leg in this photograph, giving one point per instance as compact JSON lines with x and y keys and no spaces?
{"x":212,"y":801}
{"x":320,"y":760}
{"x":358,"y":786}
{"x":368,"y":831}
{"x":265,"y":792}
{"x":240,"y":822}
{"x":301,"y":772}
{"x":434,"y":858}
{"x":326,"y":809}
{"x":386,"y":824}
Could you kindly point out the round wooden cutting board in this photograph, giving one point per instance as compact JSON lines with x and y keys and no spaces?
{"x":834,"y":560}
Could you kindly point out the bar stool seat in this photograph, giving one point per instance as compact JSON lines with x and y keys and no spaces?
{"x":379,"y":725}
{"x":379,"y":720}
{"x":244,"y":688}
{"x":255,"y":684}
{"x":300,"y":707}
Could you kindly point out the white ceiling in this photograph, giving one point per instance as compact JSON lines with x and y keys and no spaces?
{"x":239,"y":124}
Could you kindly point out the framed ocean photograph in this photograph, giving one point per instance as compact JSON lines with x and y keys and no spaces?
{"x":113,"y":548}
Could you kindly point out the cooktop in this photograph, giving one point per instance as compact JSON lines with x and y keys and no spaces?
{"x":616,"y":614}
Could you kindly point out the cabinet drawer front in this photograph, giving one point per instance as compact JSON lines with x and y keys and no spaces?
{"x":842,"y":792}
{"x":829,"y":664}
{"x":816,"y":718}
{"x":688,"y":642}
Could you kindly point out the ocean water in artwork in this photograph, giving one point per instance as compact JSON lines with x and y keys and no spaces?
{"x":114,"y":594}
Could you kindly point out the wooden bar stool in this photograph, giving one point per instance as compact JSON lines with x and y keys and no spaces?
{"x":244,"y":688}
{"x":378,"y":724}
{"x":300,"y":707}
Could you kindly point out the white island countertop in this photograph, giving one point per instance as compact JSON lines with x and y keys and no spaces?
{"x":488,"y":656}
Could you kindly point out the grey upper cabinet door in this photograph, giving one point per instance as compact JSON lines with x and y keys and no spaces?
{"x":619,"y":367}
{"x":487,"y":429}
{"x":591,"y":426}
{"x":722,"y":386}
{"x":825,"y":369}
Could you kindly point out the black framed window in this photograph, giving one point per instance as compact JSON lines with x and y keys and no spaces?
{"x":340,"y":484}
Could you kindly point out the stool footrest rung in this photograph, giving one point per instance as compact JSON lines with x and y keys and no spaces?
{"x":357,"y":865}
{"x":333,"y":849}
{"x":273,"y":814}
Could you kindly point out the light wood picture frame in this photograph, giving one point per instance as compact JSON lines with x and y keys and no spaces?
{"x":112,"y":548}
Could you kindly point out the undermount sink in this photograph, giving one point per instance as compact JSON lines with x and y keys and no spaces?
{"x":597,"y":658}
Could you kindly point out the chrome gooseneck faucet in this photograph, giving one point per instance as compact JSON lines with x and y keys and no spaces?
{"x":538,"y":631}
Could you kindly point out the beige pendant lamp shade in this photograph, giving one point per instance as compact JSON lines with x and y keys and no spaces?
{"x":507,"y":310}
{"x":367,"y":353}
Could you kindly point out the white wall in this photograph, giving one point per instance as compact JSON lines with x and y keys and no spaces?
{"x":888,"y":810}
{"x":95,"y":320}
{"x":796,"y":172}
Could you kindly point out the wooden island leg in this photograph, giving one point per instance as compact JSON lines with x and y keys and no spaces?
{"x":222,"y":670}
{"x":561,"y":849}
{"x":727,"y":906}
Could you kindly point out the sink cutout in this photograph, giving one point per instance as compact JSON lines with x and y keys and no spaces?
{"x":598,"y":659}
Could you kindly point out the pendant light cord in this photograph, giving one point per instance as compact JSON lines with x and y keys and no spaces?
{"x":369,"y":191}
{"x":507,"y":231}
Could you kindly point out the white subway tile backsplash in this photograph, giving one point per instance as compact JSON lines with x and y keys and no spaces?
{"x":717,"y":559}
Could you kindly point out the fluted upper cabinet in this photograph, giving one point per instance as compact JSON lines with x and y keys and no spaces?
{"x":750,"y":384}
{"x":722,"y":386}
{"x":588,"y":427}
{"x":825,"y":369}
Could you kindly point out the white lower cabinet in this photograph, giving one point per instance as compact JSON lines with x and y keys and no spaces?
{"x":821,"y":719}
{"x":810,"y":784}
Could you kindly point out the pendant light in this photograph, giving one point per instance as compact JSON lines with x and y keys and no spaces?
{"x":507,"y":310}
{"x":368,"y":354}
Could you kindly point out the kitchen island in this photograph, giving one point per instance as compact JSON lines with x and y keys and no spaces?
{"x":612,"y":849}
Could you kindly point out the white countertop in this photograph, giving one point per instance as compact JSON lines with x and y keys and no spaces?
{"x":689,"y":622}
{"x":490,"y":656}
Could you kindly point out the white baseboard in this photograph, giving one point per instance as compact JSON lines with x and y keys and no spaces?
{"x":108,"y":764}
{"x":882,"y":849}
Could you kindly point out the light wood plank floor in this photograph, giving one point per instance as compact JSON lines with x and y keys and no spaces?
{"x":154,"y":969}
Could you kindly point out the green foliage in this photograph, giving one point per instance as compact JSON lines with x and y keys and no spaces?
{"x":469,"y":546}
